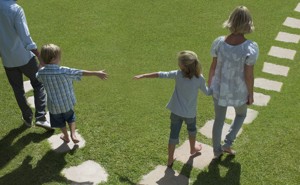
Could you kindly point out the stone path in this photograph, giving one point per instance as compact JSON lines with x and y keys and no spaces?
{"x":182,"y":152}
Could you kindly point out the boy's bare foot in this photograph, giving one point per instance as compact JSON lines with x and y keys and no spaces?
{"x":66,"y":140}
{"x":74,"y":139}
{"x":196,"y":149}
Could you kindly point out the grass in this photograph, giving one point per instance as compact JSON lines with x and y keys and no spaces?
{"x":124,"y":122}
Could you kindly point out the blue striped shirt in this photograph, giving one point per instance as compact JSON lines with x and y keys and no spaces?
{"x":58,"y":83}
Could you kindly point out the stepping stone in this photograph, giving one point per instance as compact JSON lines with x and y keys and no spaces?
{"x":275,"y":69}
{"x":206,"y":130}
{"x":89,"y":172}
{"x":60,"y":146}
{"x":27,"y":86}
{"x":162,"y":175}
{"x":201,"y":161}
{"x":251,"y":115}
{"x":292,"y":22}
{"x":282,"y":52}
{"x":30,"y":100}
{"x":267,"y":84}
{"x":297,"y":9}
{"x":261,"y":99}
{"x":287,"y":37}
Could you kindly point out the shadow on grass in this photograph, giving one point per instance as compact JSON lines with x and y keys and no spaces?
{"x":46,"y":170}
{"x":212,"y":176}
{"x":10,"y":150}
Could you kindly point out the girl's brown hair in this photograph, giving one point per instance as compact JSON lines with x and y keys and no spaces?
{"x":189,"y":64}
{"x":50,"y":52}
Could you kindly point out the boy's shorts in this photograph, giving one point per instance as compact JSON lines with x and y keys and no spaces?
{"x":59,"y":120}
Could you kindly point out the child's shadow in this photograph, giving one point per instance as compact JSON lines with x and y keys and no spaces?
{"x":9,"y":150}
{"x":46,"y":170}
{"x":183,"y":178}
{"x":212,"y":176}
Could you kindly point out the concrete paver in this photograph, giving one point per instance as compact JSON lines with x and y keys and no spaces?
{"x":275,"y":69}
{"x":292,"y":22}
{"x":89,"y":172}
{"x":206,"y":130}
{"x":282,"y":53}
{"x":287,"y":37}
{"x":60,"y":146}
{"x":251,"y":115}
{"x":261,"y":99}
{"x":162,"y":175}
{"x":267,"y":84}
{"x":27,"y":86}
{"x":201,"y":161}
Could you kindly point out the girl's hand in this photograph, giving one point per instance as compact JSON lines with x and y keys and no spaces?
{"x":138,"y":77}
{"x":101,"y":74}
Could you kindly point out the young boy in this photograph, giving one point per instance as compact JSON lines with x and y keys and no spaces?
{"x":58,"y":83}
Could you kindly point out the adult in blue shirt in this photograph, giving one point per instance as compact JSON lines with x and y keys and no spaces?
{"x":18,"y":52}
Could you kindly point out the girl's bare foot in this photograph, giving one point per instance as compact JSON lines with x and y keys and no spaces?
{"x":74,"y":138}
{"x":170,"y":162}
{"x":65,"y":139}
{"x":196,"y":149}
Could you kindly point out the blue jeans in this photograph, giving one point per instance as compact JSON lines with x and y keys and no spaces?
{"x":15,"y":78}
{"x":220,"y":114}
{"x":176,"y":123}
{"x":59,"y":120}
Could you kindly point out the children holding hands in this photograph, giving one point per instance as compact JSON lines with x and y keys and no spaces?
{"x":183,"y":103}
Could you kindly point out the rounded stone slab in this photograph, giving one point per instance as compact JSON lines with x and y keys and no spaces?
{"x":251,"y":115}
{"x":30,"y":100}
{"x":297,"y":9}
{"x":206,"y":130}
{"x":60,"y":146}
{"x":27,"y":86}
{"x":200,"y":160}
{"x":89,"y":172}
{"x":162,"y":175}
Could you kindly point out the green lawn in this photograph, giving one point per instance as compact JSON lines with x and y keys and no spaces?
{"x":125,"y":122}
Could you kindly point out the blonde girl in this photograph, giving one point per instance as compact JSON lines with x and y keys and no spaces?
{"x":183,"y":103}
{"x":231,"y":76}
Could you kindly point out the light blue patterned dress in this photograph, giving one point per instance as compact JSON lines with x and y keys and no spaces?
{"x":228,"y":83}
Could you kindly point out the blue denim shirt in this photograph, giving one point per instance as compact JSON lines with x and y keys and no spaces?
{"x":15,"y":39}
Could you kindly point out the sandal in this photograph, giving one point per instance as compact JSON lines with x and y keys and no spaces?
{"x":64,"y":139}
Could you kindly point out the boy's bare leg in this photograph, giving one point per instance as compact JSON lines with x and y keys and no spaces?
{"x":193,"y":146}
{"x":73,"y":134}
{"x":171,"y":159}
{"x":65,"y":136}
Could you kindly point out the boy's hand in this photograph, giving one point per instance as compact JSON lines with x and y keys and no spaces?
{"x":101,"y":74}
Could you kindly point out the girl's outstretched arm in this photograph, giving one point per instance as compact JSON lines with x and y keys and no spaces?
{"x":146,"y":75}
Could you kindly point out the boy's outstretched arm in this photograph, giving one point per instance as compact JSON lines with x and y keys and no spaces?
{"x":147,"y":75}
{"x":101,"y":74}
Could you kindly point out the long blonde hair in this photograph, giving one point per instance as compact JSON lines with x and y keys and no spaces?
{"x":189,"y":64}
{"x":240,"y":21}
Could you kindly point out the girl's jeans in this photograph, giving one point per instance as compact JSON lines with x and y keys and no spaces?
{"x":176,"y":123}
{"x":220,"y":113}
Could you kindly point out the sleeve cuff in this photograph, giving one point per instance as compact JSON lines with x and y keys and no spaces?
{"x":31,"y":46}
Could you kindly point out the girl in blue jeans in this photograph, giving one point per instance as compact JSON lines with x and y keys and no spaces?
{"x":183,"y":103}
{"x":231,"y":76}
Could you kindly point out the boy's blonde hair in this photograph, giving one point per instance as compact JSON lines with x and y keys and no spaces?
{"x":190,"y":64}
{"x":50,"y":52}
{"x":239,"y":21}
